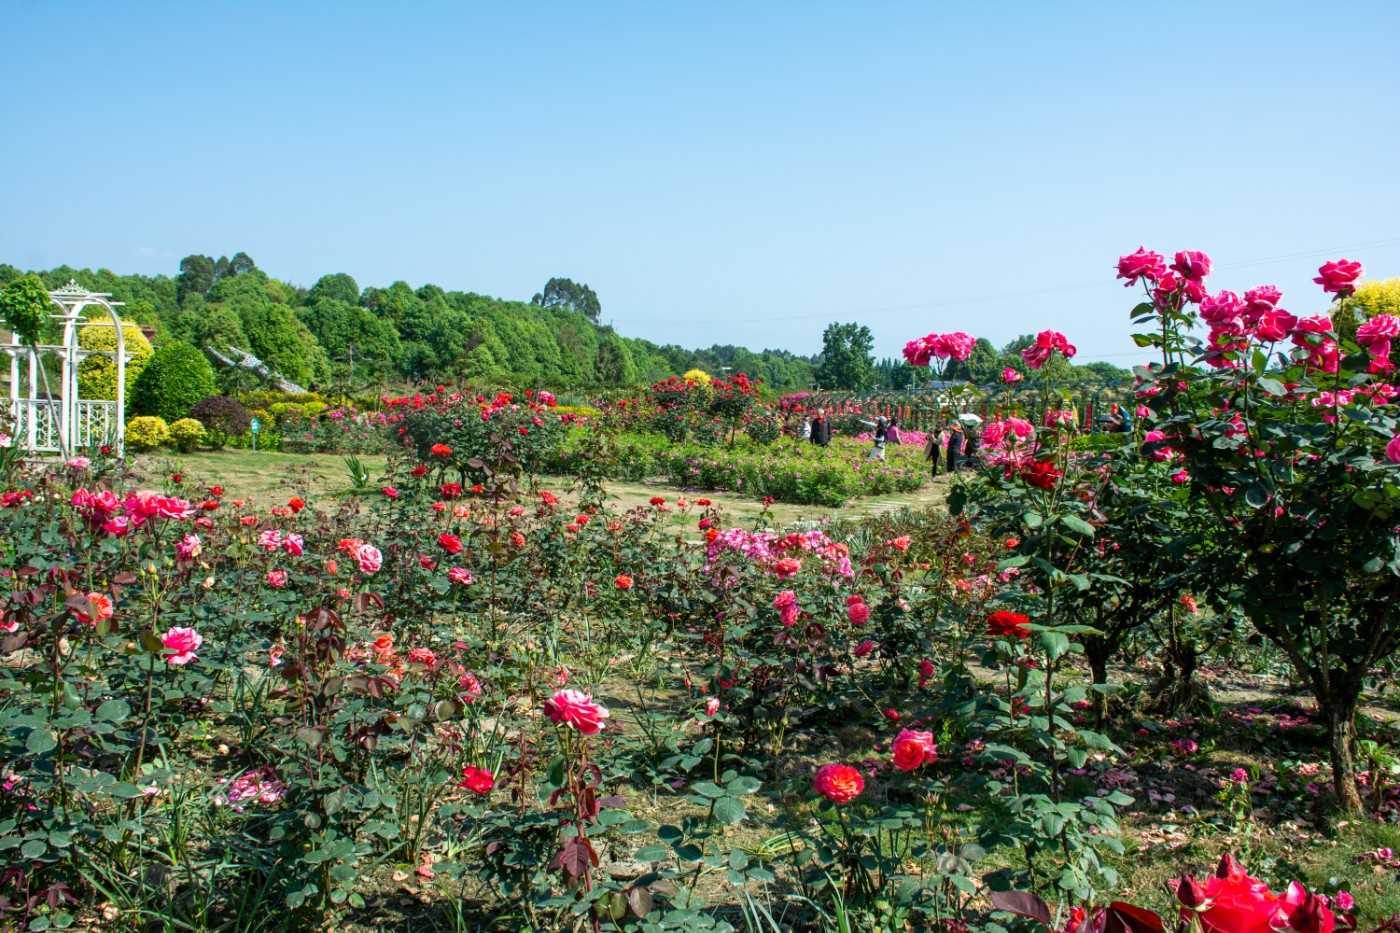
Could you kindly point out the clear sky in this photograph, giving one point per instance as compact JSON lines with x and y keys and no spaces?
{"x":719,"y":172}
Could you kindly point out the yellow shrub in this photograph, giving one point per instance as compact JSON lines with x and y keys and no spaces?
{"x":147,"y":432}
{"x":291,"y":412}
{"x":186,"y":433}
{"x":97,"y":375}
{"x":582,"y":411}
{"x":697,"y":376}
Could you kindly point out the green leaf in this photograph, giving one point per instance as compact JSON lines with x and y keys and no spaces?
{"x":1076,"y":524}
{"x":114,"y":711}
{"x":729,"y":810}
{"x":1272,"y":386}
{"x":651,"y":853}
{"x":41,"y":740}
{"x":1056,"y":644}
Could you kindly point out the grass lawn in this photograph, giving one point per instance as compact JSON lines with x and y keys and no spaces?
{"x":276,"y":476}
{"x":243,"y":473}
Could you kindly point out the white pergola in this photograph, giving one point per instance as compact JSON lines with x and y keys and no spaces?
{"x":69,"y":422}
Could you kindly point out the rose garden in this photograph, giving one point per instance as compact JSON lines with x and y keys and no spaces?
{"x":1137,"y":680}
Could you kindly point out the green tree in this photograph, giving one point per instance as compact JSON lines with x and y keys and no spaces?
{"x":361,"y":345}
{"x":566,"y":293}
{"x":338,"y":286}
{"x":176,"y":377}
{"x":847,"y":362}
{"x":196,"y":277}
{"x":614,"y":364}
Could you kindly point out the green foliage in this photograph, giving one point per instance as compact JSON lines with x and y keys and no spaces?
{"x":337,"y":286}
{"x":846,"y":359}
{"x":24,"y":307}
{"x":398,"y":332}
{"x":566,"y":293}
{"x":176,"y":377}
{"x":97,"y":375}
{"x":188,"y":434}
{"x":147,"y":432}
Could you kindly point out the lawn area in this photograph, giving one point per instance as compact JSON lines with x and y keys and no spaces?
{"x":243,"y":473}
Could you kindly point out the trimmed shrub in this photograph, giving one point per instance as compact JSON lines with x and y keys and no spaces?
{"x":188,"y":434}
{"x":224,"y":418}
{"x":97,"y":375}
{"x":147,"y":432}
{"x":175,"y":379}
{"x":296,"y":413}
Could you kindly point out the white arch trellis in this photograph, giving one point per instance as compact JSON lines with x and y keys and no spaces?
{"x":69,"y":422}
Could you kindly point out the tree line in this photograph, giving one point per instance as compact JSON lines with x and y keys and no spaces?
{"x":337,"y":335}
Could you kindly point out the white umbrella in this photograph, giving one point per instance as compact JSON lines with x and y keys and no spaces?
{"x":970,"y":418}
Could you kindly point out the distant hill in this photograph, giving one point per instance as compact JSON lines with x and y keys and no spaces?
{"x":336,"y":335}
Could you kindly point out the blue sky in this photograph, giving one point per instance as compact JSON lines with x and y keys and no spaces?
{"x":720,"y":172}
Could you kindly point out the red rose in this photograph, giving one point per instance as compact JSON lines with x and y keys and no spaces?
{"x":1041,"y":475}
{"x":1006,"y":624}
{"x":478,"y":780}
{"x":450,"y":543}
{"x":838,"y":783}
{"x":296,"y":504}
{"x":912,"y":750}
{"x":623,"y":581}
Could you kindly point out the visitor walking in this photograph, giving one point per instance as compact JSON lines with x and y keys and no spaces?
{"x":933,"y":450}
{"x":821,"y":429}
{"x":892,"y":435}
{"x":882,"y":433}
{"x":806,"y":429}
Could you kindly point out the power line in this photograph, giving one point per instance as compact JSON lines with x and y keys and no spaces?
{"x":1004,"y":296}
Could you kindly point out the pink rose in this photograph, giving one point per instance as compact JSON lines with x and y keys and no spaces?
{"x":576,"y":710}
{"x":864,"y":648}
{"x":1377,"y":333}
{"x":369,"y":558}
{"x":1339,"y":277}
{"x":1224,"y":313}
{"x":858,"y":613}
{"x":1193,"y":265}
{"x":183,"y":643}
{"x":1144,"y":264}
{"x":1011,"y":375}
{"x":293,"y":545}
{"x":189,"y":547}
{"x":270,"y":540}
{"x":1273,"y":325}
{"x":917,"y":353}
{"x":460,"y":575}
{"x":277,"y":578}
{"x":1392,"y":450}
{"x":1259,"y":301}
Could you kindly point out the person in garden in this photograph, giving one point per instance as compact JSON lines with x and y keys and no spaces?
{"x":882,"y":432}
{"x":892,"y":435}
{"x":971,"y":441}
{"x":933,"y":450}
{"x":806,"y":429}
{"x":955,"y":445}
{"x":821,"y":429}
